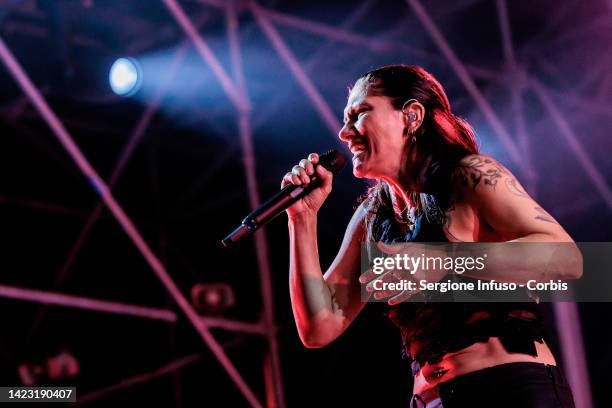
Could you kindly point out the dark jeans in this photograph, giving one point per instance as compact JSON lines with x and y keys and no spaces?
{"x":524,"y":385}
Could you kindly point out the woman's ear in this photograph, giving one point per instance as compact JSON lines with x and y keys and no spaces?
{"x":413,"y":112}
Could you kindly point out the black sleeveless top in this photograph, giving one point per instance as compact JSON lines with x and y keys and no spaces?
{"x":434,"y":329}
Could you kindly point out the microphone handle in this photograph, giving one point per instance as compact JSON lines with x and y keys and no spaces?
{"x":269,"y":210}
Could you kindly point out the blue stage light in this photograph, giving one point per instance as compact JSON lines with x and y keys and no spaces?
{"x":125,"y":76}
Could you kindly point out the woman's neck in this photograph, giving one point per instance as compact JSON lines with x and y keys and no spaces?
{"x":408,"y":180}
{"x":400,"y":199}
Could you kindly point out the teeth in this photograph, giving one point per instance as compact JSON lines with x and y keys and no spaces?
{"x":358,"y":148}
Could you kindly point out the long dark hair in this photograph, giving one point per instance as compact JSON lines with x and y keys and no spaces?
{"x":441,"y":141}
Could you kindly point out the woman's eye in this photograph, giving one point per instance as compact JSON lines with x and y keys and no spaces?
{"x":355,"y":116}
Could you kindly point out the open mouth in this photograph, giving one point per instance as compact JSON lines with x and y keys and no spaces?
{"x":358,"y":148}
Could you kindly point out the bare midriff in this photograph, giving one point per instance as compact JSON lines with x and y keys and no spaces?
{"x":473,"y":358}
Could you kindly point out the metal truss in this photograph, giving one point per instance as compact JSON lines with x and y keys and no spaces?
{"x":516,"y":144}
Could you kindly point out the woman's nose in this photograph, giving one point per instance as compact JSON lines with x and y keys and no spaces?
{"x":346,"y":133}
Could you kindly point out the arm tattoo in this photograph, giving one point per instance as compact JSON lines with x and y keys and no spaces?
{"x":515,"y":188}
{"x":477,"y":169}
{"x":448,"y":221}
{"x":544,"y":216}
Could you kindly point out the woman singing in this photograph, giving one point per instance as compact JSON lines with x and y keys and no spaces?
{"x":432,"y":186}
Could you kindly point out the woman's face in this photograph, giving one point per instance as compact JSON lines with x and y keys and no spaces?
{"x":373,"y":130}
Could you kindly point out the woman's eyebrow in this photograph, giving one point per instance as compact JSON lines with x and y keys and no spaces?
{"x":354,"y":109}
{"x":362,"y":105}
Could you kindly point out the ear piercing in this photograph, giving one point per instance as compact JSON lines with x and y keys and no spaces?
{"x":411,"y":118}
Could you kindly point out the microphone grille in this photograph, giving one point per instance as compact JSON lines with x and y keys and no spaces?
{"x":332,"y":160}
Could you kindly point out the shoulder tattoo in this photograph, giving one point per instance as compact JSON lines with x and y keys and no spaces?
{"x":475,"y":171}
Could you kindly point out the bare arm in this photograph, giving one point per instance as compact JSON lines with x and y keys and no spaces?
{"x":323,"y":305}
{"x":500,"y":201}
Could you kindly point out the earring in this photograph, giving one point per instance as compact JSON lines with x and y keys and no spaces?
{"x":407,"y":132}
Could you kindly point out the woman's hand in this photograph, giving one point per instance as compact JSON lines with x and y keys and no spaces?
{"x":301,"y":174}
{"x":406,"y":272}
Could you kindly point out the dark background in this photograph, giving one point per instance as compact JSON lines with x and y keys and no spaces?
{"x":184,"y":186}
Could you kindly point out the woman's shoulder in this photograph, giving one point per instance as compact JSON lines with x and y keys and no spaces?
{"x":475,"y":172}
{"x":473,"y":169}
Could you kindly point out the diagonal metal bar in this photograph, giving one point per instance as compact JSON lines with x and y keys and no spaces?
{"x":206,"y":53}
{"x":598,"y":180}
{"x":516,"y":90}
{"x":169,"y":368}
{"x":468,"y":83}
{"x":597,"y":70}
{"x":54,"y":208}
{"x":124,"y":221}
{"x":273,"y":376}
{"x":38,"y":140}
{"x":521,"y":133}
{"x":234,"y":325}
{"x":261,"y":249}
{"x":133,"y":142}
{"x":567,"y":321}
{"x":317,"y":100}
{"x":313,"y":62}
{"x":80,"y":302}
{"x":506,"y":34}
{"x":330,"y":45}
{"x":349,"y":37}
{"x":120,"y":308}
{"x":587,"y":105}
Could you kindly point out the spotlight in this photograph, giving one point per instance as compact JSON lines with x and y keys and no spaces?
{"x":61,"y":367}
{"x":212,"y":298}
{"x":125,"y":76}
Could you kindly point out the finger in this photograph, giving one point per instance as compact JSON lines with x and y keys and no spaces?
{"x":326,"y":178}
{"x":379,"y":283}
{"x":402,"y":297}
{"x":385,"y":277}
{"x":301,"y":173}
{"x":313,"y":158}
{"x":307,"y":165}
{"x":286,"y":180}
{"x":368,"y":275}
{"x":383,"y":294}
{"x":390,"y":249}
{"x":295,"y":179}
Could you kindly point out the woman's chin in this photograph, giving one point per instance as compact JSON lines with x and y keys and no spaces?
{"x":360,"y":165}
{"x":359,"y":170}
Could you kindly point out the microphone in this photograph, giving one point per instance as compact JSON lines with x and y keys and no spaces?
{"x":332,"y":160}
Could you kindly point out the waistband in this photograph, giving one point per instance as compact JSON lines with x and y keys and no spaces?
{"x":489,"y":378}
{"x":510,"y":371}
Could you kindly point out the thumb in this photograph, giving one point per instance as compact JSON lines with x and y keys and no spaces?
{"x":325,"y":176}
{"x":389,"y":248}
